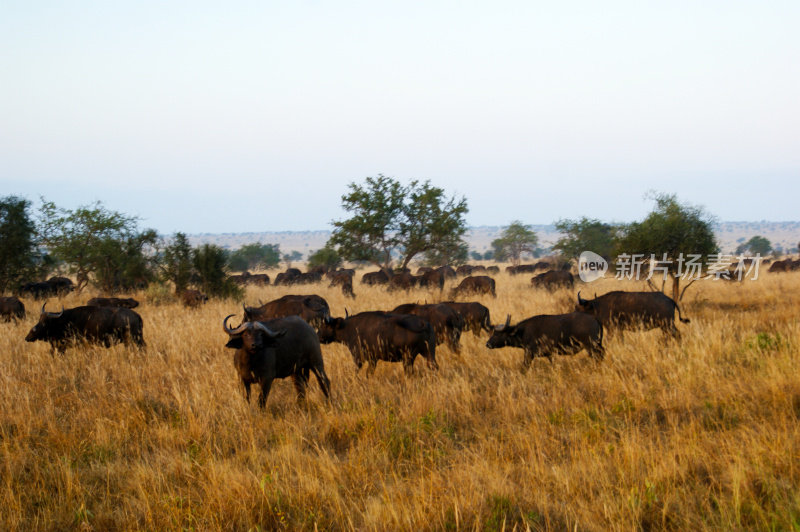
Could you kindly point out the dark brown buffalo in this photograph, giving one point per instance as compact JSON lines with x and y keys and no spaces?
{"x":288,"y":277}
{"x":447,"y":271}
{"x":446,"y":322}
{"x":469,"y":269}
{"x":345,"y":280}
{"x":53,"y":287}
{"x":521,"y":268}
{"x":626,"y":310}
{"x":350,"y":272}
{"x":373,"y":336}
{"x":375,"y":278}
{"x":548,"y":335}
{"x":192,"y":298}
{"x":785,"y":265}
{"x":431,"y":279}
{"x":308,"y":278}
{"x":423,"y":270}
{"x":311,"y":308}
{"x":553,"y":280}
{"x":127,"y":302}
{"x":402,"y":281}
{"x":276,"y":349}
{"x":479,"y":284}
{"x":11,"y":308}
{"x":475,"y":315}
{"x":493,"y":269}
{"x":98,"y":325}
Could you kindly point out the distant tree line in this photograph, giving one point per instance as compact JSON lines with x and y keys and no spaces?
{"x":389,"y":225}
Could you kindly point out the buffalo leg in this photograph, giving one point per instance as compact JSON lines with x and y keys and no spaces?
{"x":300,"y":384}
{"x":408,"y":363}
{"x":526,"y":361}
{"x":323,"y":380}
{"x":266,"y":384}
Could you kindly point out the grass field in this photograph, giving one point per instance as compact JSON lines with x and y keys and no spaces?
{"x":701,"y":434}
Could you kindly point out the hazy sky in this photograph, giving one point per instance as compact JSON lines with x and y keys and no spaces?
{"x":253,"y":116}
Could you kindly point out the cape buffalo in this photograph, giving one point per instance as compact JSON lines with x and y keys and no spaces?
{"x":633,"y":309}
{"x":446,"y":322}
{"x":431,"y":279}
{"x":127,"y":302}
{"x":553,"y":280}
{"x":193,"y":298}
{"x":276,"y":349}
{"x":475,"y":316}
{"x":11,"y":308}
{"x":402,"y":281}
{"x":311,"y":308}
{"x":548,"y":335}
{"x":98,"y":325}
{"x":343,"y":279}
{"x":375,"y":278}
{"x":479,"y":284}
{"x":373,"y":336}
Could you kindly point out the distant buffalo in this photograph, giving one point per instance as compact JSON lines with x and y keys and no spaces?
{"x":11,"y":308}
{"x":553,"y":280}
{"x":375,"y":278}
{"x":476,"y":316}
{"x":479,"y":284}
{"x":193,"y":298}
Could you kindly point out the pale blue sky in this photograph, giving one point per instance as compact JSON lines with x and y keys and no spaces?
{"x":254,"y":116}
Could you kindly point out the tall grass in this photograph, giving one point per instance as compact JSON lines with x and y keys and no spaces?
{"x":700,"y":434}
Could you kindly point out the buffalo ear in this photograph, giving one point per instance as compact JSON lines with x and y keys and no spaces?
{"x":235,"y":343}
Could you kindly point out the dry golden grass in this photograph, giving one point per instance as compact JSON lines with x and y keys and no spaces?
{"x":696,"y":435}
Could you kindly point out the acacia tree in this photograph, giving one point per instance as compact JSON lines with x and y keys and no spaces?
{"x":326,"y":256}
{"x":17,"y":242}
{"x":757,"y":245}
{"x":92,"y":241}
{"x":671,"y":232}
{"x":586,"y":235}
{"x":515,"y":240}
{"x":251,"y":256}
{"x":389,"y":219}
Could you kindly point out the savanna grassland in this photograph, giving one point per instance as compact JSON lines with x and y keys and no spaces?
{"x":700,"y":434}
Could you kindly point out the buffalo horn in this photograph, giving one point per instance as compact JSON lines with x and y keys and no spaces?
{"x":581,"y":301}
{"x":269,"y":332}
{"x":235,"y":331}
{"x":52,"y":314}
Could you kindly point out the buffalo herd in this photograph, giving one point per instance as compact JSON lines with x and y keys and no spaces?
{"x":282,"y":338}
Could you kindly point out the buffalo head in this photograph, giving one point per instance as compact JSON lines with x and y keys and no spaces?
{"x":250,"y":335}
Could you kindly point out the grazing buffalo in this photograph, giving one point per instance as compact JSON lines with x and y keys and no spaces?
{"x":53,"y":287}
{"x":402,"y":281}
{"x":479,"y":284}
{"x":193,"y":298}
{"x":548,"y":335}
{"x":375,"y":278}
{"x":446,"y":322}
{"x":288,"y":277}
{"x":633,"y":309}
{"x":373,"y":336}
{"x":345,"y":280}
{"x":553,"y":280}
{"x":521,"y":268}
{"x":469,"y":269}
{"x":431,"y":279}
{"x":785,"y":265}
{"x":447,"y":271}
{"x":311,"y":308}
{"x":475,"y":316}
{"x":11,"y":308}
{"x":127,"y":302}
{"x":276,"y":349}
{"x":98,"y":325}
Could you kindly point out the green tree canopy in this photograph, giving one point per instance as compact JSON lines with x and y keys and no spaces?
{"x":672,"y":230}
{"x":210,"y":263}
{"x":586,"y":235}
{"x":94,"y":242}
{"x":176,"y":263}
{"x":254,"y":256}
{"x":515,"y":241}
{"x":757,"y":245}
{"x":389,"y":219}
{"x":17,"y":242}
{"x":326,"y":256}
